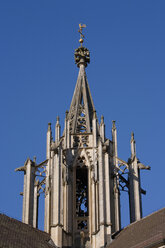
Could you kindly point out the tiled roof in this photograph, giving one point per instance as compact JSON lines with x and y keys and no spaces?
{"x":145,"y":233}
{"x":15,"y":234}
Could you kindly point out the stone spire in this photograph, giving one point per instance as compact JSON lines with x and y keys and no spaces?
{"x":82,"y":107}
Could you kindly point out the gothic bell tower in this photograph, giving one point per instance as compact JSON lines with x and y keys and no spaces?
{"x":82,"y":176}
{"x":80,"y":181}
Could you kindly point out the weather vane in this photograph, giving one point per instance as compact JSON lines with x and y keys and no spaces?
{"x":81,"y":26}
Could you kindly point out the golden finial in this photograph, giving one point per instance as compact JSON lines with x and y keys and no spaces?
{"x":81,"y":26}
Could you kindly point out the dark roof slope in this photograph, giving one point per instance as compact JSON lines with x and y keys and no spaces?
{"x":145,"y":233}
{"x":15,"y":234}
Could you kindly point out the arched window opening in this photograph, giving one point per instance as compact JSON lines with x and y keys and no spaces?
{"x":82,"y":191}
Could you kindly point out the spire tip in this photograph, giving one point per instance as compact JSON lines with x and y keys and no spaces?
{"x":49,"y":126}
{"x":114,"y":124}
{"x":132,"y":137}
{"x":81,"y":55}
{"x":102,"y":119}
{"x":81,"y":26}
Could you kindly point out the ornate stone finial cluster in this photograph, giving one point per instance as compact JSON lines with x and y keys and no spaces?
{"x":82,"y":55}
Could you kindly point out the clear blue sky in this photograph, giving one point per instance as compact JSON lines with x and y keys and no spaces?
{"x":38,"y":74}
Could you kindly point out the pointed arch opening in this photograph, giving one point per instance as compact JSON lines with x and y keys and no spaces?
{"x":81,"y":203}
{"x":82,"y":191}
